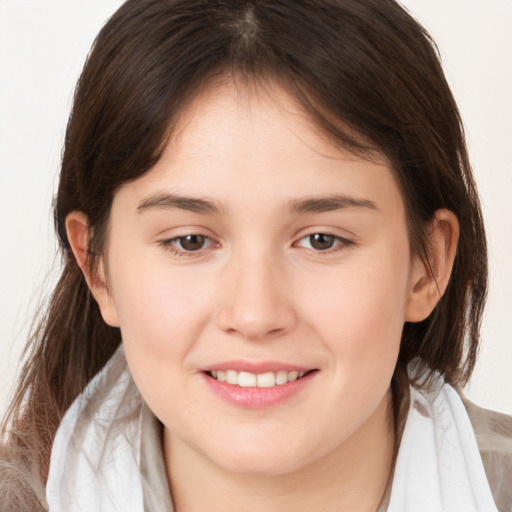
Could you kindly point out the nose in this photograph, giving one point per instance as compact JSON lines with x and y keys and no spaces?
{"x":257,"y":304}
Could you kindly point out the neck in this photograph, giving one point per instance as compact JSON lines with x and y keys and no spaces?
{"x":352,"y":477}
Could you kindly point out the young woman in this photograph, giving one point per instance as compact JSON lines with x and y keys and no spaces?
{"x":274,"y":274}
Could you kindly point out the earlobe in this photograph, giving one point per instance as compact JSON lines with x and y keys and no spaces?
{"x":77,"y":230}
{"x":429,"y":279}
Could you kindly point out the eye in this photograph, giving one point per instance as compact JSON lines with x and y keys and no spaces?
{"x":323,"y":242}
{"x":187,"y":243}
{"x":191,"y":242}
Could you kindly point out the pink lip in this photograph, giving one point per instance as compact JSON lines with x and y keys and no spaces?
{"x":241,"y":365}
{"x":254,"y":397}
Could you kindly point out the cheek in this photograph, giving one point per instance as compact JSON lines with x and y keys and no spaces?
{"x":361,"y":327}
{"x":360,"y":316}
{"x":162,"y":312}
{"x":367,"y":303}
{"x":153,"y":298}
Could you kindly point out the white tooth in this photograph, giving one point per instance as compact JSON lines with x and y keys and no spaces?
{"x":221,"y":375}
{"x":292,"y":376}
{"x":266,"y":380}
{"x":214,"y":374}
{"x":301,"y":374}
{"x":231,"y":377}
{"x":246,"y":379}
{"x":281,"y":377}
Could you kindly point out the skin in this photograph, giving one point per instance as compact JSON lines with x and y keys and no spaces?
{"x":258,"y":290}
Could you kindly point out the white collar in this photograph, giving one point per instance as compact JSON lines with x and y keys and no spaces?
{"x":439,"y":468}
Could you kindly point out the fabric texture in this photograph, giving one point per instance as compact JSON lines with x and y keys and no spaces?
{"x":439,"y":467}
{"x":108,"y":454}
{"x":493,"y":433}
{"x":95,"y":462}
{"x":155,"y":486}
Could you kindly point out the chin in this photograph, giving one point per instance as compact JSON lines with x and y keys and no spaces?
{"x":261,"y":458}
{"x":257,"y":465}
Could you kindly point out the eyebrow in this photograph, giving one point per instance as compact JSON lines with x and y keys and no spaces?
{"x":169,"y":201}
{"x":329,"y":203}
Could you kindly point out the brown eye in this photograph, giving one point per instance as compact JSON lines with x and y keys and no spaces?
{"x":321,"y":241}
{"x":324,"y":242}
{"x":191,"y":242}
{"x":187,"y":245}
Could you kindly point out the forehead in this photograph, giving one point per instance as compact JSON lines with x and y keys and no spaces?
{"x":243,"y":144}
{"x":243,"y":103}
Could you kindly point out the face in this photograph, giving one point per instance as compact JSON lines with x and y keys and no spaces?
{"x":257,"y":252}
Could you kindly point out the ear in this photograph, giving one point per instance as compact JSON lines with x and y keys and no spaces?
{"x":77,"y":230}
{"x":429,"y":279}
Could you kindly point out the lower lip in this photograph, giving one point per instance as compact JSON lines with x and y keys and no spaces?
{"x":254,"y":397}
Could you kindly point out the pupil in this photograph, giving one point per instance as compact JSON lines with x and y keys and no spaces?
{"x":321,"y":241}
{"x":192,"y":242}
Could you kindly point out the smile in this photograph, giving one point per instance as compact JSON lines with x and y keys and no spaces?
{"x":261,"y":388}
{"x":259,"y":380}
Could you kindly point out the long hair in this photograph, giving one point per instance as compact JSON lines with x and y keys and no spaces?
{"x":365,"y":71}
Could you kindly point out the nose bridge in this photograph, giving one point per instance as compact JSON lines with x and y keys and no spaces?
{"x":257,"y":305}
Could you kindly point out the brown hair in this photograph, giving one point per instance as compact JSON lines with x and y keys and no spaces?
{"x":367,"y":73}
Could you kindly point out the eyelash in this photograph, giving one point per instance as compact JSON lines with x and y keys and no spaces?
{"x":341,"y":243}
{"x":170,"y":244}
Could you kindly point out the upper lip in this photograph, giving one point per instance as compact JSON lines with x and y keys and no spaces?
{"x":256,"y":366}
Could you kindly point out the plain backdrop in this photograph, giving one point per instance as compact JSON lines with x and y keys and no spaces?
{"x":43,"y":45}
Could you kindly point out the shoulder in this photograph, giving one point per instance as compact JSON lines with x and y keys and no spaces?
{"x":493,"y":432}
{"x":20,"y":487}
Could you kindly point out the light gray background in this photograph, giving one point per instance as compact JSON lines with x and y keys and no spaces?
{"x":43,"y":45}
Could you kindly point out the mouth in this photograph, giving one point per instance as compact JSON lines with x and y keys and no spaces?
{"x":257,"y":385}
{"x":245,"y":379}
